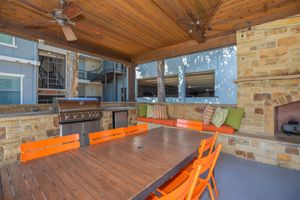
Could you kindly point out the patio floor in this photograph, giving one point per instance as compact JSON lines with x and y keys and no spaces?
{"x":240,"y":179}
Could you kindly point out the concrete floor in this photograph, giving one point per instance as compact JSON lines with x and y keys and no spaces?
{"x":239,"y":179}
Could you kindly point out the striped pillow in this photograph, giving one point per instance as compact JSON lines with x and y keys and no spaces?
{"x":164,"y":114}
{"x":207,"y":114}
{"x":160,"y":112}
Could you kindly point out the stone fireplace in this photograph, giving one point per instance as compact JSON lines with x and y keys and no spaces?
{"x":283,"y":114}
{"x":268,"y":74}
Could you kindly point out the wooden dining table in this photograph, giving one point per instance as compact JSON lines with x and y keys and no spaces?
{"x":128,"y":168}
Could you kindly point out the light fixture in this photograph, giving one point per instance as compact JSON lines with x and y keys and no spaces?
{"x":249,"y":26}
{"x":190,"y":30}
{"x":41,"y":41}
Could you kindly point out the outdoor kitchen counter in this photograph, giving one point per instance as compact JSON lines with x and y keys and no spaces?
{"x":121,"y":108}
{"x":19,"y":114}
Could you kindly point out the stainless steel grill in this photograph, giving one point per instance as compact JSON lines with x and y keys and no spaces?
{"x":78,"y":115}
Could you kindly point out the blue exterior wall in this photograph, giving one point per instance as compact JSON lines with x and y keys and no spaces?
{"x":222,"y":61}
{"x":27,"y":50}
{"x":24,"y":49}
{"x":29,"y":80}
{"x":109,"y":91}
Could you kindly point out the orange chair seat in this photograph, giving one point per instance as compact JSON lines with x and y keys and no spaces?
{"x":223,"y":129}
{"x":166,"y":122}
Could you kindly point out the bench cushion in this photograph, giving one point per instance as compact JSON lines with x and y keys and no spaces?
{"x":165,"y":122}
{"x":222,"y":129}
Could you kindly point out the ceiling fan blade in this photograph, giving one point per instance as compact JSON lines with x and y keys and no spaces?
{"x":69,"y":34}
{"x":88,"y":29}
{"x":35,"y":7}
{"x":72,"y":10}
{"x":38,"y":24}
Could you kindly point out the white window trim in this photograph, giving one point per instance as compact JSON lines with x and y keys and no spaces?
{"x":21,"y":76}
{"x":19,"y":60}
{"x":10,"y":45}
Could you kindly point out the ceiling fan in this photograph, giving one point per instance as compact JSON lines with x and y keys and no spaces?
{"x":66,"y":17}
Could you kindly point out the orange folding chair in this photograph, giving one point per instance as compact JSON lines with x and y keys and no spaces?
{"x":208,"y":164}
{"x":195,"y":125}
{"x":136,"y":129}
{"x":185,"y":190}
{"x":39,"y":149}
{"x":107,"y":135}
{"x":205,"y":145}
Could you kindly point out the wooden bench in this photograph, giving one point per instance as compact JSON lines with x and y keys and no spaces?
{"x":107,"y":135}
{"x":34,"y":150}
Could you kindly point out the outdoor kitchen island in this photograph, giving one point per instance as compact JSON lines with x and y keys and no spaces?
{"x":25,"y":123}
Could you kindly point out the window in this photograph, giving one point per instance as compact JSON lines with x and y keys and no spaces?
{"x":201,"y":84}
{"x":52,"y":70}
{"x":11,"y":89}
{"x":147,"y":87}
{"x":171,"y":86}
{"x":7,"y":40}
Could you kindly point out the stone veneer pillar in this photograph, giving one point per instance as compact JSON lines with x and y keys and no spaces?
{"x":72,"y":74}
{"x":268,"y":72}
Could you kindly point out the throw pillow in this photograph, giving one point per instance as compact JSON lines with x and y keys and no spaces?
{"x":163,"y":112}
{"x":219,"y":117}
{"x":142,"y":110}
{"x":156,"y":111}
{"x":149,"y":111}
{"x":234,"y":117}
{"x":160,"y":112}
{"x":207,"y":114}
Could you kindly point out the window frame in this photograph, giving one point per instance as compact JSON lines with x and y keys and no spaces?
{"x":9,"y":45}
{"x":150,"y":78}
{"x":201,"y":73}
{"x":172,"y":76}
{"x":21,"y":76}
{"x":49,"y":53}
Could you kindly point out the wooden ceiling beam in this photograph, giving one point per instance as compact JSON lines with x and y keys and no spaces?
{"x":176,"y":14}
{"x":212,"y":14}
{"x":51,"y":39}
{"x":184,"y":48}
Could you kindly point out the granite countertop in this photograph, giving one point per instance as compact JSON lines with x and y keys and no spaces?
{"x":5,"y":115}
{"x":119,"y":108}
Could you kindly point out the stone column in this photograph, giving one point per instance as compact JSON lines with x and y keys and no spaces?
{"x":161,"y":95}
{"x":72,"y":74}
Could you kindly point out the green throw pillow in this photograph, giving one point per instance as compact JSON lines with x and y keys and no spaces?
{"x":234,"y":117}
{"x":219,"y":117}
{"x":142,"y":110}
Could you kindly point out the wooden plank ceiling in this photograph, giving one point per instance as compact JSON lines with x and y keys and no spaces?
{"x":137,"y":31}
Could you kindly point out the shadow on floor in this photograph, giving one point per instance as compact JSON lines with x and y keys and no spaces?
{"x":240,"y":179}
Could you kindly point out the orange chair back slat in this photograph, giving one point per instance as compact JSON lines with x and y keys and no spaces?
{"x":136,"y":129}
{"x":186,"y":189}
{"x":34,"y":150}
{"x":207,"y":145}
{"x":107,"y":135}
{"x":208,"y":164}
{"x":195,"y":125}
